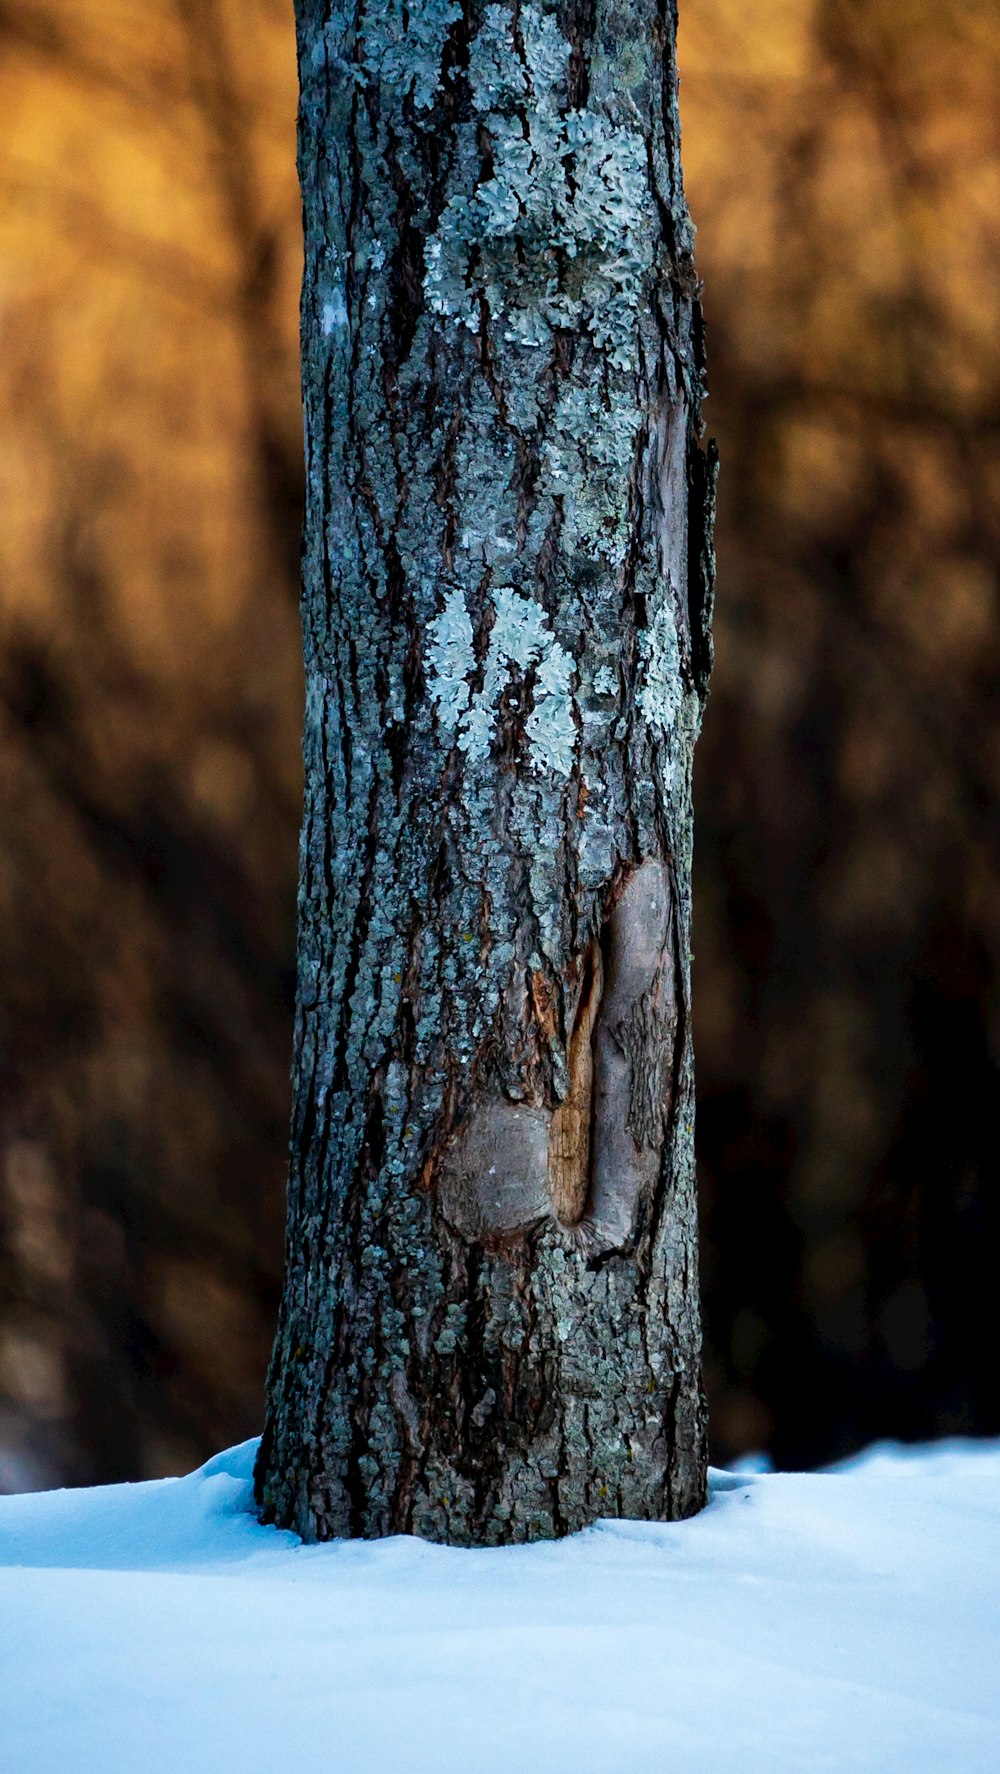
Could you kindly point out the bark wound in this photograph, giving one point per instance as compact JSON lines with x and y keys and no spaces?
{"x":494,"y":1178}
{"x":586,"y":1162}
{"x":569,"y":1134}
{"x":634,"y":1045}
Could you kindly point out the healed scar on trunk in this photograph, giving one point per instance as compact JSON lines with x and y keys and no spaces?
{"x":587,"y":1162}
{"x":634,"y":1042}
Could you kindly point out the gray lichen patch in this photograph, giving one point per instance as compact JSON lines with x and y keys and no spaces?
{"x":556,"y":231}
{"x":521,"y":643}
{"x":451,"y":661}
{"x":548,"y":237}
{"x":402,"y":53}
{"x":661,"y":689}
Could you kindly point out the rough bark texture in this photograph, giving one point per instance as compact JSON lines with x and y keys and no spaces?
{"x":489,"y":1328}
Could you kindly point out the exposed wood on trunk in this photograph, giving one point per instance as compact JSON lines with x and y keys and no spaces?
{"x":570,"y":1132}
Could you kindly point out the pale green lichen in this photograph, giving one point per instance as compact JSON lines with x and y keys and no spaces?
{"x":521,"y":641}
{"x":451,"y":660}
{"x":558,"y":234}
{"x":404,"y":53}
{"x":660,"y":691}
{"x":550,"y":725}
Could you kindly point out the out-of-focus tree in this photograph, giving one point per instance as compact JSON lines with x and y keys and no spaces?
{"x":150,"y":466}
{"x":848,"y":921}
{"x":843,"y":162}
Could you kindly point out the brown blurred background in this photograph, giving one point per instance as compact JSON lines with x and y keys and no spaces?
{"x":843,"y":163}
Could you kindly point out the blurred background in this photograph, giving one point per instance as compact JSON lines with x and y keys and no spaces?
{"x":843,"y":166}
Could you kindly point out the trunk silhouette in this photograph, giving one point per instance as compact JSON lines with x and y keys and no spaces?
{"x":489,"y":1328}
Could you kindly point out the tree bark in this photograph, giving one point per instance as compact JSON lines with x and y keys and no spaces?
{"x":489,"y":1328}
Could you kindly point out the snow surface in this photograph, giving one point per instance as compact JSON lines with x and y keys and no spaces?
{"x":846,"y":1620}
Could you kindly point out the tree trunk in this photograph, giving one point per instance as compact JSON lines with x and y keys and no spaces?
{"x":489,"y":1329}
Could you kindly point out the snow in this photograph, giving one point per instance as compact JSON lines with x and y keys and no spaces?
{"x":803,"y":1622}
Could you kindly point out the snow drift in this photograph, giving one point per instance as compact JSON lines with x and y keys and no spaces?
{"x":828,"y":1621}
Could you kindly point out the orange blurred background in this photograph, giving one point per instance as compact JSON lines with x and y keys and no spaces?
{"x":843,"y":165}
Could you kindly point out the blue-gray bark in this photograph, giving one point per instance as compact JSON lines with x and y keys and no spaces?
{"x":489,"y":1328}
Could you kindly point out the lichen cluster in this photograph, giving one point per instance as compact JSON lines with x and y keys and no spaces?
{"x":520,"y":640}
{"x":557,"y":233}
